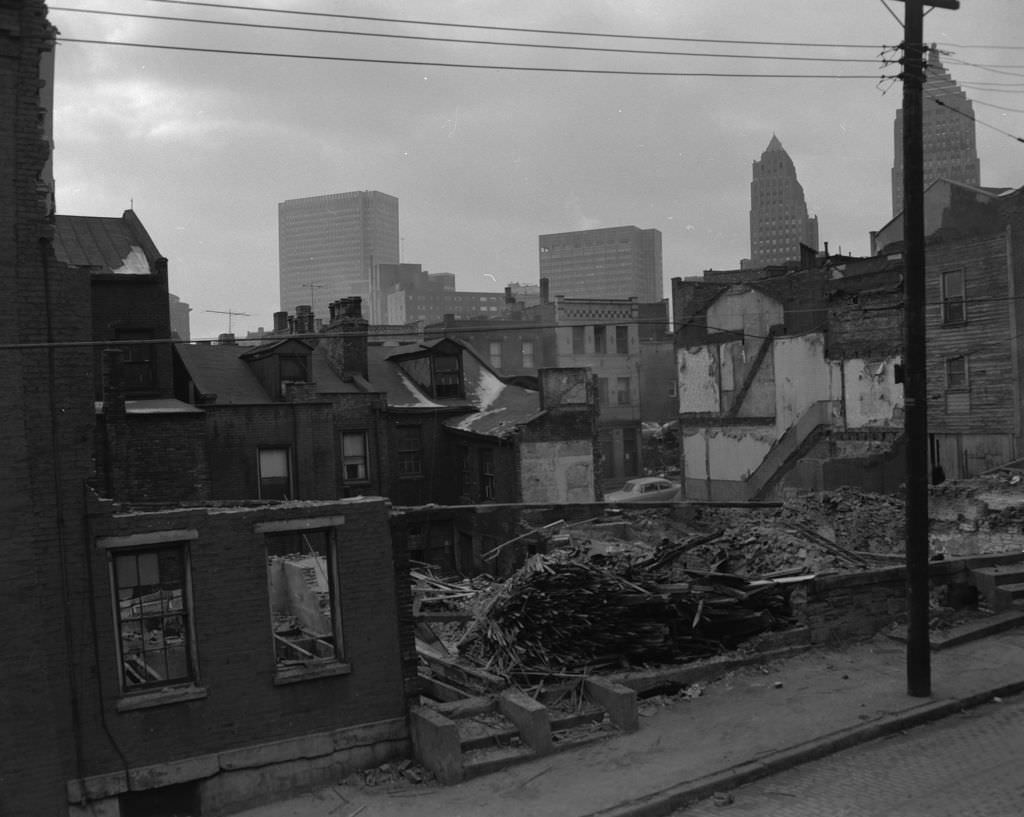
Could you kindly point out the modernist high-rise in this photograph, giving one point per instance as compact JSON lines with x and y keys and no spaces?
{"x":612,"y":262}
{"x":948,"y":133}
{"x":329,"y":245}
{"x":779,"y":223}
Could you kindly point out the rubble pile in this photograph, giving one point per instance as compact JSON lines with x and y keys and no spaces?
{"x":859,"y":521}
{"x":564,"y":613}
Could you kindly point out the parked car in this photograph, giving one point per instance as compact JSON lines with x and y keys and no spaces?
{"x":646,"y":489}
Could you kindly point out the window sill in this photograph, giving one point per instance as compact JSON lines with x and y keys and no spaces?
{"x":160,"y":697}
{"x":297,"y":674}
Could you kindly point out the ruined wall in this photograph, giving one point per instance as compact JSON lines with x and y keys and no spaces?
{"x":558,"y":471}
{"x":802,"y":377}
{"x":871,"y":397}
{"x":698,"y":380}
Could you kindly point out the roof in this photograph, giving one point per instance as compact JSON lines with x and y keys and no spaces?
{"x":219,"y":370}
{"x":117,"y":245}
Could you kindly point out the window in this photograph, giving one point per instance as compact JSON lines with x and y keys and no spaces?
{"x":447,"y":376}
{"x":486,"y":473}
{"x":956,"y":372}
{"x":303,"y":591}
{"x":354,"y":459}
{"x":137,"y":366}
{"x":294,"y":368}
{"x":463,"y":471}
{"x":494,"y":351}
{"x":954,"y":305}
{"x":622,"y":340}
{"x":410,"y":451}
{"x":622,"y":391}
{"x":275,"y":474}
{"x":528,"y":362}
{"x":673,"y":388}
{"x":578,"y":344}
{"x":602,"y":391}
{"x":153,"y":617}
{"x":600,"y":340}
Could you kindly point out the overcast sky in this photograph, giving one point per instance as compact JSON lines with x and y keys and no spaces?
{"x":485,"y":161}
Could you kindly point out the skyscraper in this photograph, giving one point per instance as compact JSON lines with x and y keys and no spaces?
{"x":779,"y":223}
{"x":611,"y":262}
{"x":948,"y":133}
{"x":328,"y":246}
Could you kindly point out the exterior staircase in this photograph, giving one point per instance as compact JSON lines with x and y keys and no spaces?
{"x":1002,"y":586}
{"x":459,"y":740}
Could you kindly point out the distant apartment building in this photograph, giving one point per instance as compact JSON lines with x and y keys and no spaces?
{"x":406,"y":293}
{"x":611,"y":262}
{"x":181,"y":324}
{"x":779,"y":223}
{"x":947,"y":134}
{"x":329,"y":245}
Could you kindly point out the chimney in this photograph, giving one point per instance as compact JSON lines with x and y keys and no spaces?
{"x":544,"y":290}
{"x":280,"y":321}
{"x":348,"y":339}
{"x":304,"y":320}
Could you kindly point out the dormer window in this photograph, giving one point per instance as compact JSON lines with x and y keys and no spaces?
{"x":447,"y":376}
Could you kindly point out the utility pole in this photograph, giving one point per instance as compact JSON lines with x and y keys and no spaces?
{"x":915,"y":378}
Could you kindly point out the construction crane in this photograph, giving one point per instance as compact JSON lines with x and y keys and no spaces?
{"x":229,"y":312}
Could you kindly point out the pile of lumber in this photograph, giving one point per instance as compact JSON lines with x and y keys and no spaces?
{"x":565,"y":613}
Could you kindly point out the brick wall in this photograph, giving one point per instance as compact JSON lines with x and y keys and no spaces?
{"x":243,"y":706}
{"x":236,"y":433}
{"x":46,"y":435}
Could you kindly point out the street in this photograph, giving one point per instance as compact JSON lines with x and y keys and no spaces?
{"x":966,"y":764}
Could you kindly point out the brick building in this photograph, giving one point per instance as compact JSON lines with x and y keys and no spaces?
{"x":159,"y":667}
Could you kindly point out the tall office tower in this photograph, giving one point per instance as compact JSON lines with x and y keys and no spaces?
{"x":779,"y":223}
{"x":329,"y":245}
{"x":612,"y":262}
{"x":948,"y":133}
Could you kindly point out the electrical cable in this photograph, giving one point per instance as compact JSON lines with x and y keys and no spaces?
{"x":461,"y":41}
{"x":431,"y":64}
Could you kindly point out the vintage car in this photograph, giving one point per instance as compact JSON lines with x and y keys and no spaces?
{"x":645,"y":489}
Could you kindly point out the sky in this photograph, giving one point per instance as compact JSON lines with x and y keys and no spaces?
{"x":205,"y":145}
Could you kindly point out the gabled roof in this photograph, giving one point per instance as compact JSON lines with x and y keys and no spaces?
{"x":276,"y":346}
{"x":219,"y":370}
{"x":118,"y":245}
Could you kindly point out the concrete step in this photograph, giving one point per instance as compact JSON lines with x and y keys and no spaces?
{"x":477,"y":762}
{"x":969,"y":631}
{"x":987,"y":579}
{"x":1007,"y":595}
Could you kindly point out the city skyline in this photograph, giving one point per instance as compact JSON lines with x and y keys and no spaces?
{"x":486,"y":160}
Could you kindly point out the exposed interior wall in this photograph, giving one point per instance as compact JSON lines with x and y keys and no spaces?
{"x":558,"y":471}
{"x":699,"y":389}
{"x":871,"y":395}
{"x":802,"y":377}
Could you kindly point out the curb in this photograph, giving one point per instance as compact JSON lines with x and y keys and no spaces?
{"x":664,"y":802}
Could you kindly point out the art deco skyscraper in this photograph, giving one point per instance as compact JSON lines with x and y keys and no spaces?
{"x":948,"y":133}
{"x":779,"y":223}
{"x":328,"y":246}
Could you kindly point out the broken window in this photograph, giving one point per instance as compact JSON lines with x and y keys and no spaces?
{"x":151,"y":590}
{"x":956,"y":372}
{"x":137,"y":366}
{"x":354,"y":457}
{"x":410,"y":451}
{"x":954,"y":303}
{"x":304,"y":607}
{"x":486,"y":473}
{"x":275,"y":480}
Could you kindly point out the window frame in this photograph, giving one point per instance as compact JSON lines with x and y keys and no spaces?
{"x":136,"y":357}
{"x":145,"y":695}
{"x":494,"y":353}
{"x":487,"y":473}
{"x":446,"y":382}
{"x":528,"y":354}
{"x":954,"y":300}
{"x":623,"y":396}
{"x":622,"y":340}
{"x":411,"y":454}
{"x":288,"y":672}
{"x":600,"y":340}
{"x":965,"y":385}
{"x":579,"y":340}
{"x":290,"y":493}
{"x":367,"y":469}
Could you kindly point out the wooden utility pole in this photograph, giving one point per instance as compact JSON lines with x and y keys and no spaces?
{"x":915,"y":378}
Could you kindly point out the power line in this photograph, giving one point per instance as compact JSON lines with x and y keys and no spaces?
{"x":522,"y":30}
{"x":419,"y":38}
{"x":974,"y":119}
{"x":431,"y":64}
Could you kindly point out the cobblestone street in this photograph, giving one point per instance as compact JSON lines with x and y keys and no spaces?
{"x":969,"y":764}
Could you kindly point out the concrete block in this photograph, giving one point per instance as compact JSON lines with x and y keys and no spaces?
{"x":530,"y":718}
{"x":179,"y":771}
{"x":435,"y":742}
{"x":110,"y":807}
{"x":617,"y":700}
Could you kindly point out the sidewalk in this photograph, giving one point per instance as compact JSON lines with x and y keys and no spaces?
{"x":753,"y":722}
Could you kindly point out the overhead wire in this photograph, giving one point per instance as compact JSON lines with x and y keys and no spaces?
{"x":455,"y":40}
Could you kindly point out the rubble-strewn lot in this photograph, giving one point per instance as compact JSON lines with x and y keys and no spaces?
{"x":662,"y":585}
